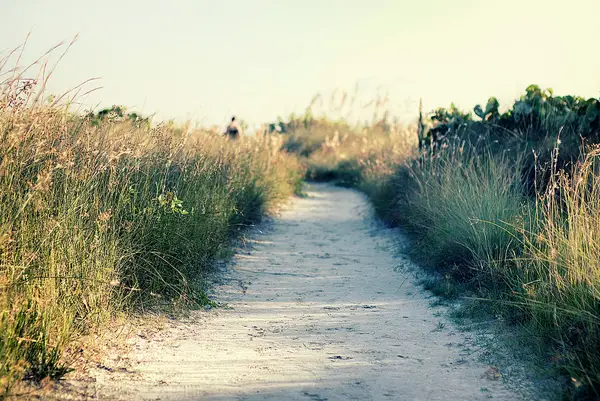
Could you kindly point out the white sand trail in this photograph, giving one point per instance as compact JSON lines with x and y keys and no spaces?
{"x":317,"y":311}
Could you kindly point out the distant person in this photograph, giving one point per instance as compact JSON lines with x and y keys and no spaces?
{"x":233,"y":129}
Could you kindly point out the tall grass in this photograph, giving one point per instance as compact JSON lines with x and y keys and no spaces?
{"x":561,"y":269}
{"x":96,"y":218}
{"x":339,"y":151}
{"x":495,"y":212}
{"x":462,"y":205}
{"x":537,"y":258}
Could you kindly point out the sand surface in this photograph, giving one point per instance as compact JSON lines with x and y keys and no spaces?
{"x":320,"y":306}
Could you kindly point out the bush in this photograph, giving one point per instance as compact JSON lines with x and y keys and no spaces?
{"x":528,"y":131}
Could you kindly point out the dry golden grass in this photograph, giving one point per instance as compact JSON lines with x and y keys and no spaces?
{"x":341,"y":152}
{"x":100,"y":216}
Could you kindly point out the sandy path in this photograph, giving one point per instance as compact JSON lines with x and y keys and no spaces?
{"x":317,"y":312}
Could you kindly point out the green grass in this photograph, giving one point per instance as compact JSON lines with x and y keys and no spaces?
{"x":533,"y":261}
{"x":560,"y":272}
{"x":496,"y":214}
{"x":101,"y":218}
{"x":463,"y":206}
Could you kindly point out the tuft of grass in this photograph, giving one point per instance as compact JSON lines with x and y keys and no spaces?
{"x":439,"y":326}
{"x":463,"y":207}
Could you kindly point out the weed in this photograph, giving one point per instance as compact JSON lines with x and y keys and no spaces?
{"x":440,"y":326}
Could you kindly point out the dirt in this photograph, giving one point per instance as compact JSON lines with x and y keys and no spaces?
{"x":319,"y":305}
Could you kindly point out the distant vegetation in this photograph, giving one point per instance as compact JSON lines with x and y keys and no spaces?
{"x":502,"y":206}
{"x":102,"y":213}
{"x":342,"y":151}
{"x":117,"y":114}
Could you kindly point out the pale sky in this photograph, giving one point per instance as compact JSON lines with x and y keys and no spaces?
{"x":206,"y":60}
